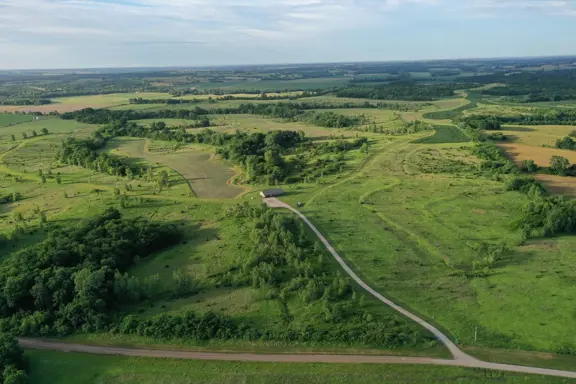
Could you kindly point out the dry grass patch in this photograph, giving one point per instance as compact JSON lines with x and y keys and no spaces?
{"x":541,"y":155}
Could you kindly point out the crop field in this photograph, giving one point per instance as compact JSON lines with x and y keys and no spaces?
{"x":68,"y":368}
{"x":207,"y":175}
{"x":540,"y":155}
{"x":445,"y":134}
{"x":537,"y":135}
{"x":11,"y":119}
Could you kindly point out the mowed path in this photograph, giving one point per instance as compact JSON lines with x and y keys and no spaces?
{"x":461,"y":359}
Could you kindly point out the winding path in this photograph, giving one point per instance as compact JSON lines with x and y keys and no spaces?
{"x":461,"y":359}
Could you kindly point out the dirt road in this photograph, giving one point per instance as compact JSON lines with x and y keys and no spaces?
{"x":270,"y":358}
{"x":461,"y":359}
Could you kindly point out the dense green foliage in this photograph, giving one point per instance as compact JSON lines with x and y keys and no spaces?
{"x":12,"y":362}
{"x":399,"y":91}
{"x":532,"y":87}
{"x":288,"y":267}
{"x":481,"y":122}
{"x":543,"y":116}
{"x":566,"y":143}
{"x":84,"y":153}
{"x":494,"y":162}
{"x":14,"y":101}
{"x":74,"y":280}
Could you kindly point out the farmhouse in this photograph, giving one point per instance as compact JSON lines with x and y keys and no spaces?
{"x":272,"y":192}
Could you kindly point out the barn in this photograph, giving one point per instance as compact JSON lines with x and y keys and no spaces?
{"x":272,"y":192}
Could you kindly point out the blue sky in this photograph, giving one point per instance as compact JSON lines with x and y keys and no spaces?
{"x":97,"y":33}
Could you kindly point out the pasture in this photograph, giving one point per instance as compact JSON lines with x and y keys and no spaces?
{"x":445,"y":134}
{"x":76,"y":368}
{"x":52,"y":124}
{"x":406,"y":231}
{"x":11,"y":119}
{"x":208,"y":176}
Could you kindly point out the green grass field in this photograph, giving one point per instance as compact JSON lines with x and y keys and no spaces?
{"x":404,"y":231}
{"x":53,"y":125}
{"x":208,"y":176}
{"x":444,"y":134}
{"x":64,"y":368}
{"x":10,"y":119}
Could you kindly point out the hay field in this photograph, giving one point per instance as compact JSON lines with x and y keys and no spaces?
{"x":540,"y":155}
{"x":537,"y":135}
{"x":208,"y":176}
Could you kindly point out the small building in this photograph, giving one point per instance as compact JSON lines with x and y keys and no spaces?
{"x":272,"y":192}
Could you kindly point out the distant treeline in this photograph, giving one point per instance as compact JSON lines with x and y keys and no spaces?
{"x":532,"y":86}
{"x":24,"y":101}
{"x":401,"y":91}
{"x":289,"y":111}
{"x":536,"y":116}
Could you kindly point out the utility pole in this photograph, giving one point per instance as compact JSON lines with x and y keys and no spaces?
{"x":475,"y":334}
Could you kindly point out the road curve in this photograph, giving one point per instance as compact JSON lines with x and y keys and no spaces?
{"x":454,"y":350}
{"x":461,"y":359}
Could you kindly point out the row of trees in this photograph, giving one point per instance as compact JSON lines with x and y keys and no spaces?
{"x":84,"y":153}
{"x":24,"y":101}
{"x":289,"y":111}
{"x":75,"y":279}
{"x":13,"y":364}
{"x":399,"y":91}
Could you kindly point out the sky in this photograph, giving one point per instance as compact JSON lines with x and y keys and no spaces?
{"x":132,"y":33}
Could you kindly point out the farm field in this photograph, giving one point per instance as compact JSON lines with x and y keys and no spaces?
{"x":537,"y":135}
{"x":208,"y":176}
{"x":10,"y":119}
{"x":540,"y":155}
{"x":64,"y":368}
{"x":53,"y":125}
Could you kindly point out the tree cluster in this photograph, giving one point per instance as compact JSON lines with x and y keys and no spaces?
{"x":75,"y":279}
{"x":13,"y":364}
{"x":399,"y":91}
{"x":11,"y":101}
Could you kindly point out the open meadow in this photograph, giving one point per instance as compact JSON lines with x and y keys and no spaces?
{"x":117,"y":230}
{"x":208,"y":176}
